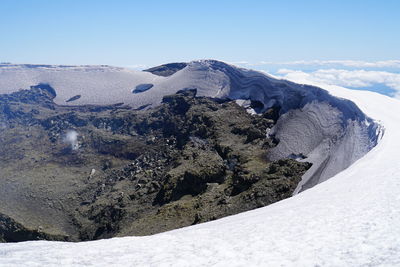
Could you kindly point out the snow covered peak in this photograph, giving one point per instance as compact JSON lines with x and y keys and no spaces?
{"x":331,"y":132}
{"x":350,"y":220}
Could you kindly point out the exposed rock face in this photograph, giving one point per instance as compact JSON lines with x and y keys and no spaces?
{"x":12,"y":231}
{"x":167,"y":69}
{"x":132,"y":172}
{"x":142,"y":88}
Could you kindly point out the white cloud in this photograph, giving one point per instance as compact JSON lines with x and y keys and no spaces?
{"x":328,"y":63}
{"x":348,"y":63}
{"x":137,"y":66}
{"x":71,"y":138}
{"x":346,"y":78}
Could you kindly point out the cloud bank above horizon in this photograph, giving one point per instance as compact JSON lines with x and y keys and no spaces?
{"x":383,"y":82}
{"x":327,"y":63}
{"x":378,"y":76}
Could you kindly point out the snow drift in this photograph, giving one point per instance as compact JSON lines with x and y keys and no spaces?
{"x":330,"y":132}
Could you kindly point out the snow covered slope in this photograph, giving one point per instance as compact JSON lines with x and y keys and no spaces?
{"x":331,"y":132}
{"x":350,"y":220}
{"x":95,"y":84}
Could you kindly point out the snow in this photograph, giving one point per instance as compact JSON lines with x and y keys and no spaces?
{"x":331,"y":132}
{"x":351,"y":219}
{"x":98,"y":85}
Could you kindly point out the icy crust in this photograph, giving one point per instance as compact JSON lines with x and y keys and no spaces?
{"x":330,"y":132}
{"x":318,"y":132}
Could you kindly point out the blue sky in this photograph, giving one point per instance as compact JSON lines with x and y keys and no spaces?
{"x":353,"y":43}
{"x":132,"y":32}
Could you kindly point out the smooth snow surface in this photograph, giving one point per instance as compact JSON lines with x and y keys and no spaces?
{"x":353,"y":219}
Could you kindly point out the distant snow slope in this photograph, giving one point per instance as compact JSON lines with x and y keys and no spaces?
{"x":96,"y":84}
{"x":352,"y":219}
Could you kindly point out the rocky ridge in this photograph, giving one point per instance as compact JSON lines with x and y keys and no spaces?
{"x":89,"y":172}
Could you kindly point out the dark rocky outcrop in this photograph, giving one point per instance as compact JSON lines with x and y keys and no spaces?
{"x":132,"y":172}
{"x":167,"y":69}
{"x":12,"y":231}
{"x":142,"y":88}
{"x":76,"y":97}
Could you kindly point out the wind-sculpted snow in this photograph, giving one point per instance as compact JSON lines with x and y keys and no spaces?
{"x":330,"y":132}
{"x":318,"y":131}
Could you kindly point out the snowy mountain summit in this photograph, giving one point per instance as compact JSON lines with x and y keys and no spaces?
{"x":330,"y":132}
{"x":350,"y":137}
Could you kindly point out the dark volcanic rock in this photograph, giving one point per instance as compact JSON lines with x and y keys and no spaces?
{"x":142,"y":88}
{"x":12,"y":231}
{"x":73,"y":98}
{"x":167,"y":69}
{"x":89,"y":172}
